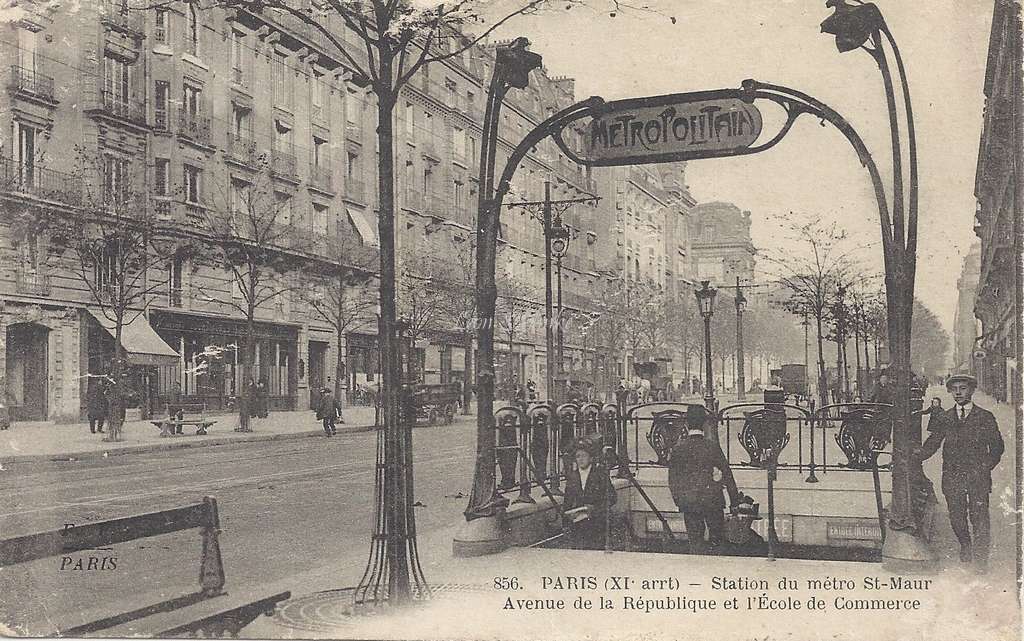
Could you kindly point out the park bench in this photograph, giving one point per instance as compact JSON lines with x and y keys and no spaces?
{"x":181,"y":414}
{"x":210,"y":612}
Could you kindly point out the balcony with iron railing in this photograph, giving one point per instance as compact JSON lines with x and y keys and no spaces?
{"x":39,"y":182}
{"x":320,"y":177}
{"x":30,"y":282}
{"x":126,"y":108}
{"x":31,"y":83}
{"x":194,"y":126}
{"x":283,"y":164}
{"x":241,"y":148}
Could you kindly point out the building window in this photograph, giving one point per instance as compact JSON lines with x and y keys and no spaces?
{"x":104,"y":271}
{"x":191,"y":100}
{"x":191,"y":179}
{"x":192,"y":28}
{"x":320,"y":153}
{"x":115,"y":180}
{"x":318,"y":96}
{"x":410,"y":121}
{"x":116,"y":82}
{"x":708,"y":233}
{"x":24,"y":151}
{"x":161,"y":96}
{"x":161,"y":175}
{"x":459,"y":143}
{"x":353,"y":166}
{"x":428,"y":179}
{"x":27,"y":41}
{"x":283,"y":202}
{"x":282,"y":81}
{"x":321,"y":214}
{"x":282,"y":136}
{"x":237,"y":56}
{"x":452,"y":90}
{"x":239,"y":196}
{"x":472,"y":150}
{"x":174,"y":270}
{"x":29,"y":247}
{"x":460,"y":193}
{"x":160,"y":32}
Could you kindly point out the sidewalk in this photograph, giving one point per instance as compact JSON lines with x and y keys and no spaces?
{"x":40,"y":441}
{"x":471,"y":599}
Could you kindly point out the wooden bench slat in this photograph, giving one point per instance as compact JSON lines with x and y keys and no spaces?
{"x":32,"y":547}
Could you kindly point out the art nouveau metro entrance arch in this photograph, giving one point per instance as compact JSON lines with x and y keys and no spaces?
{"x":683,"y":127}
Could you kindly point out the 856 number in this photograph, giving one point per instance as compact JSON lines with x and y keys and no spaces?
{"x":506,"y":583}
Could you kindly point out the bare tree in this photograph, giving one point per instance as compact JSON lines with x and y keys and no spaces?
{"x":515,"y":306}
{"x":120,"y":248}
{"x":813,"y":276}
{"x":422,"y":301}
{"x":340,"y":293}
{"x":251,"y":236}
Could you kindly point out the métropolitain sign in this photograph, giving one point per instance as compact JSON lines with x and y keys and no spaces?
{"x":674,"y":127}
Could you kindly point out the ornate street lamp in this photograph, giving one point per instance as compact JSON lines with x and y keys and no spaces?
{"x":706,"y":303}
{"x":741,"y":306}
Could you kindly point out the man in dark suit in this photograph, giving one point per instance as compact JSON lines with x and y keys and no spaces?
{"x":971,"y":448}
{"x":697,"y":471}
{"x":587,"y":486}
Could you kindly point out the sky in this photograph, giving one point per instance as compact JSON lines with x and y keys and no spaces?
{"x":813,"y":171}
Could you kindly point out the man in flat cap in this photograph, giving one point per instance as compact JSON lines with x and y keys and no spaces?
{"x":972,"y":448}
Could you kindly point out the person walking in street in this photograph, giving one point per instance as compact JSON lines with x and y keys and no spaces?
{"x":971,"y":447}
{"x":328,"y":411}
{"x":96,"y":406}
{"x":697,"y":471}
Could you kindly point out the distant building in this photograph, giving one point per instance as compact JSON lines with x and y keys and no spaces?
{"x":998,"y":217}
{"x":966,"y":327}
{"x":720,"y":244}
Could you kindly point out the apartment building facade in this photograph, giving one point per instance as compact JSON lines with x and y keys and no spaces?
{"x":194,"y":108}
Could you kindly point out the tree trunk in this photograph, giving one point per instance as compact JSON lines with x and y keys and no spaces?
{"x":115,"y":400}
{"x":248,"y":377}
{"x":822,"y":375}
{"x":340,"y":375}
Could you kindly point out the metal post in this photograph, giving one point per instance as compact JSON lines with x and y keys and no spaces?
{"x":741,"y":386}
{"x":561,"y":360}
{"x":548,"y":335}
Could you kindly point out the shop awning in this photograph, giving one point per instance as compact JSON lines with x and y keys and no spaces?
{"x":364,"y":227}
{"x":143,"y":345}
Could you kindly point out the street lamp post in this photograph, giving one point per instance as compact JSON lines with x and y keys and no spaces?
{"x":741,"y":306}
{"x":861,"y":26}
{"x":513,"y":64}
{"x":559,"y":244}
{"x":706,"y":302}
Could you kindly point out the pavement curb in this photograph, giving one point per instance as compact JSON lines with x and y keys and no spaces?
{"x":176,"y":444}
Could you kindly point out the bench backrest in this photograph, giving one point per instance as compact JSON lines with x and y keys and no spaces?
{"x":76,"y":538}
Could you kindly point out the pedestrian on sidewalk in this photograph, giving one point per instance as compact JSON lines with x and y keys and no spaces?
{"x":175,"y":412}
{"x":96,"y":406}
{"x":262,"y":398}
{"x":697,"y":471}
{"x":589,"y":495}
{"x":328,"y":411}
{"x":971,"y":447}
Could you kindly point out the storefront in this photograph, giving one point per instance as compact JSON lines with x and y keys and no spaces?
{"x":210,"y":369}
{"x":146,"y":352}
